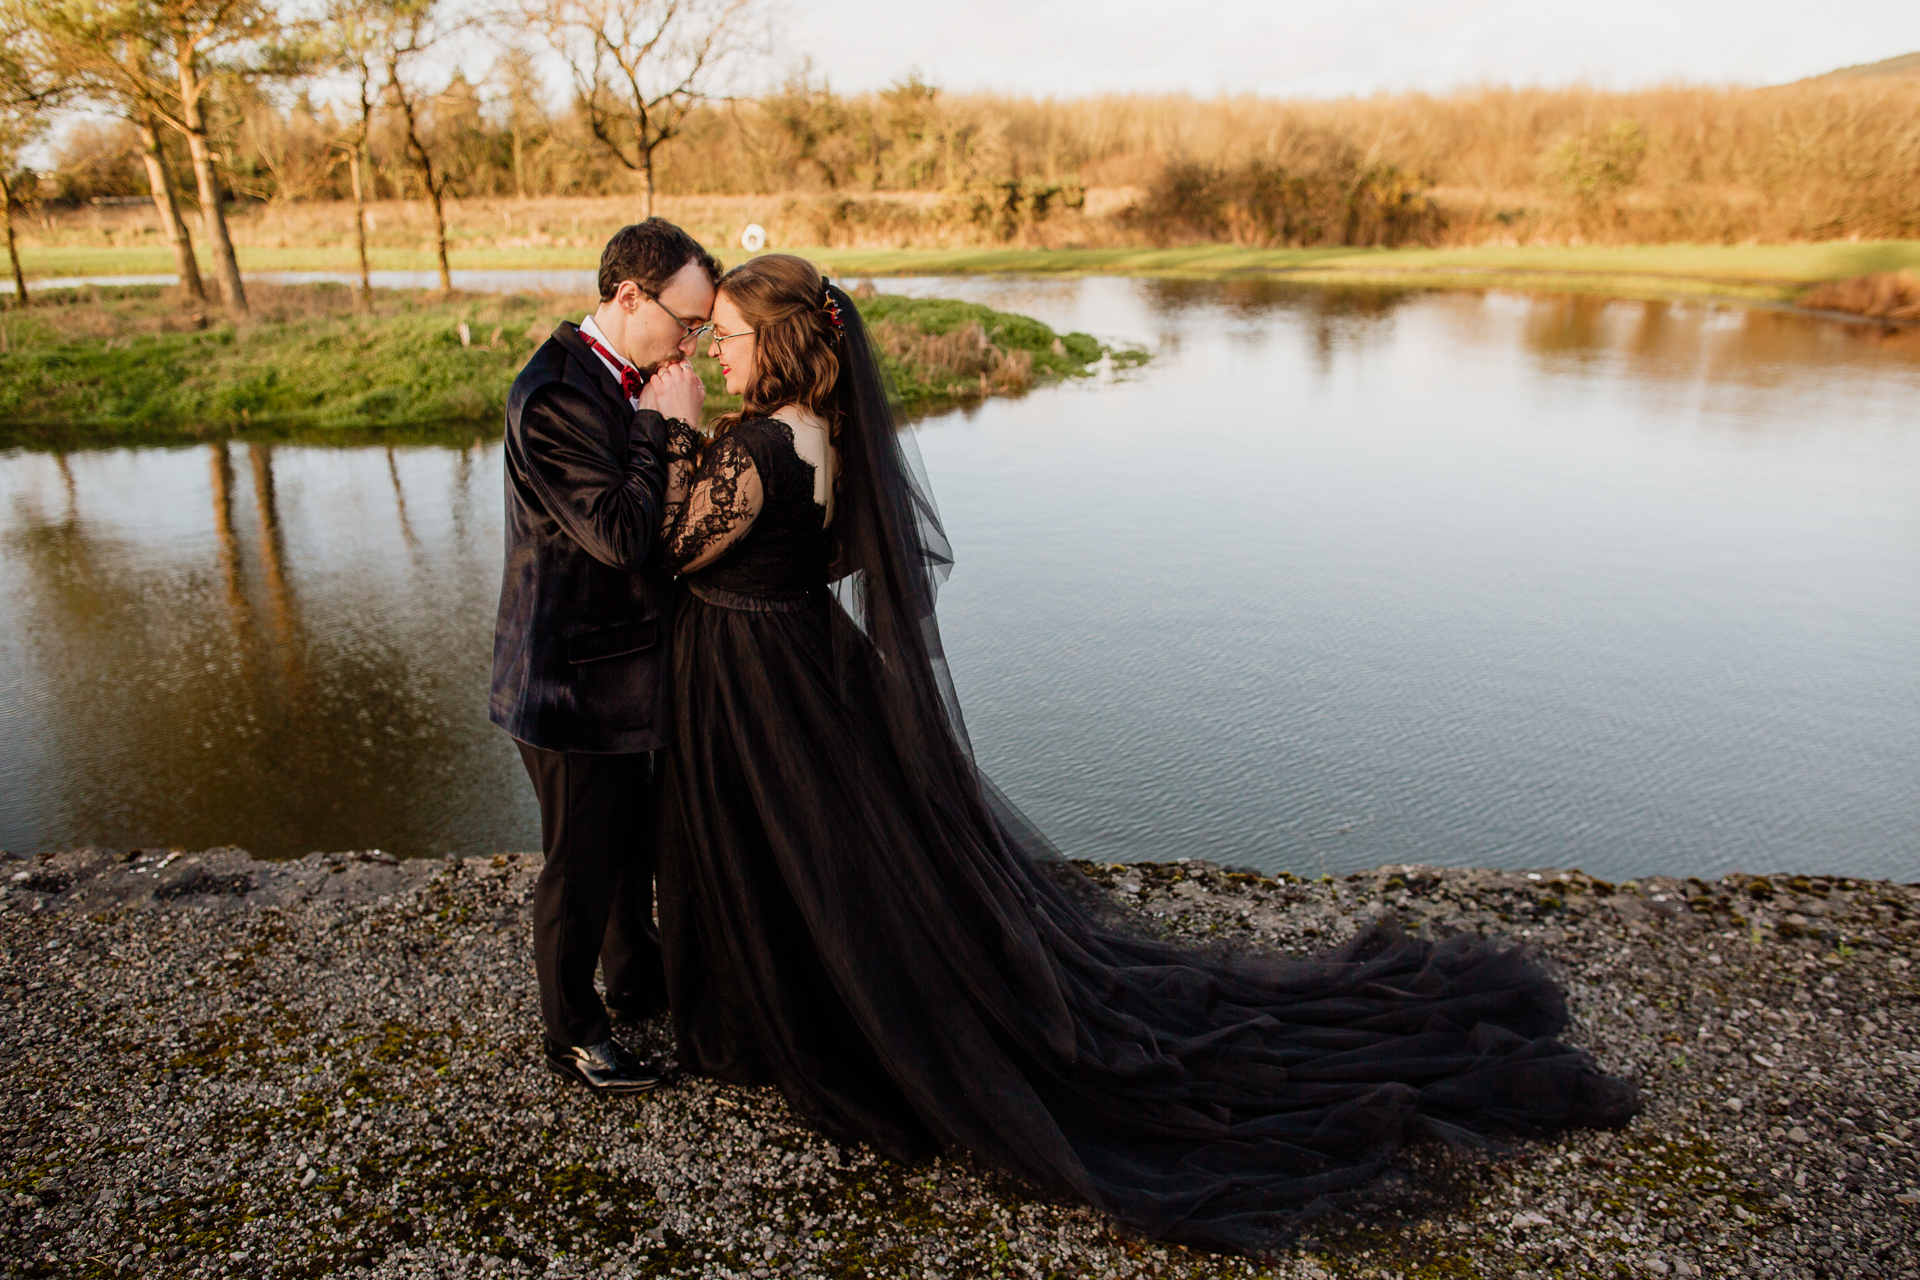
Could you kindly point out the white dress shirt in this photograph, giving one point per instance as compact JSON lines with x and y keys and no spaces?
{"x":592,"y":330}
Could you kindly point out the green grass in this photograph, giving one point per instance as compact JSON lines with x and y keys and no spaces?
{"x":61,"y":262}
{"x":1756,"y":273}
{"x":129,"y":365}
{"x":107,"y":364}
{"x":927,"y":372}
{"x":1764,"y":267}
{"x":944,"y":315}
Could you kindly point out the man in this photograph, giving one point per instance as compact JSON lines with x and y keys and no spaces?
{"x":580,"y":647}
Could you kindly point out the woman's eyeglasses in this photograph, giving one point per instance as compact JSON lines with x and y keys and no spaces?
{"x":699,"y":330}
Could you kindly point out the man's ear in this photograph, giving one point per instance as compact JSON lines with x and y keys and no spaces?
{"x":628,"y":296}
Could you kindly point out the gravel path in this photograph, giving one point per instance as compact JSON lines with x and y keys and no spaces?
{"x":216,"y":1066}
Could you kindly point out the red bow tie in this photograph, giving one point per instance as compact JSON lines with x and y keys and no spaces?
{"x":630,"y":379}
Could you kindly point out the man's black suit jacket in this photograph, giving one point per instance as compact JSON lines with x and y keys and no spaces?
{"x":579,"y":650}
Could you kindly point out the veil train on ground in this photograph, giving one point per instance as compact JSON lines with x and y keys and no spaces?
{"x":853,"y":912}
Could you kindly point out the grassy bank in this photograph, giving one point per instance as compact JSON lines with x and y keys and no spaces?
{"x":1749,"y":273}
{"x":132,"y":365}
{"x":1770,"y":273}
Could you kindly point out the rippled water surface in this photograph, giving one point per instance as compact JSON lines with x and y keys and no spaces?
{"x":1337,"y":580}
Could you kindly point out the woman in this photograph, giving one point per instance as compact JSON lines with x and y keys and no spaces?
{"x":851,"y":912}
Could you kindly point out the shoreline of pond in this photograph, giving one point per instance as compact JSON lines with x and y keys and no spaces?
{"x":139,"y":365}
{"x":1771,"y":273}
{"x":332,"y":1061}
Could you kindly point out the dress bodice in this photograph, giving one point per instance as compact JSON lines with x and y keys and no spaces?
{"x":783,"y":551}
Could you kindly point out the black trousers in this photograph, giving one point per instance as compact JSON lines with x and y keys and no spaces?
{"x":594,"y":899}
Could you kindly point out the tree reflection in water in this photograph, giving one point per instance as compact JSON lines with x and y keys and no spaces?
{"x":400,"y":500}
{"x":232,"y":680}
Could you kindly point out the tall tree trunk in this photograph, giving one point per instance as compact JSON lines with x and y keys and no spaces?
{"x":13,"y":251}
{"x":646,"y":178}
{"x":214,"y":216}
{"x":440,"y":232}
{"x":167,"y":201}
{"x":360,"y":224}
{"x":432,"y":185}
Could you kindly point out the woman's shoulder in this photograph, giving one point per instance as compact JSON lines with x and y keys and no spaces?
{"x":781,"y":424}
{"x":759,"y":433}
{"x":769,"y":444}
{"x":790,"y":428}
{"x":752,"y":436}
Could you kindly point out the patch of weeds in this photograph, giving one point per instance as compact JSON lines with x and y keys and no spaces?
{"x":228,"y":1046}
{"x":1675,"y":1166}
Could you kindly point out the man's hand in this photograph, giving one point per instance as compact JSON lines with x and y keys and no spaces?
{"x":674,"y":391}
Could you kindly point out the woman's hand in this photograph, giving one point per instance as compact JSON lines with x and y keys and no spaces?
{"x":674,"y":391}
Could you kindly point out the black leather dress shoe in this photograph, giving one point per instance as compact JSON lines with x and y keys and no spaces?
{"x":603,"y":1067}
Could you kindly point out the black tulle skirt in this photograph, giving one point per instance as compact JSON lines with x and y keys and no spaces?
{"x":903,"y":964}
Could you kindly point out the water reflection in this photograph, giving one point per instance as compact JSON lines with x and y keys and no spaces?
{"x":1264,"y":299}
{"x":288,"y":672}
{"x":400,"y":500}
{"x":1342,"y":577}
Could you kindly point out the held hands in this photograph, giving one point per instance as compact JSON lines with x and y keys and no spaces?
{"x":674,"y":391}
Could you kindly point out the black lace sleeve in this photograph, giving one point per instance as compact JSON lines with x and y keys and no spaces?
{"x":683,"y":453}
{"x":724,"y":499}
{"x":683,"y":442}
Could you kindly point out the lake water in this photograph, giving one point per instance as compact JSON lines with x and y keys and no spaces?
{"x":1337,"y":580}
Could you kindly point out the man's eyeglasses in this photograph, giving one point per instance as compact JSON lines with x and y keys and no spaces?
{"x":694,"y":329}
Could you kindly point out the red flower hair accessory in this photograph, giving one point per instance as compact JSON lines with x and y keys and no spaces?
{"x":832,"y":308}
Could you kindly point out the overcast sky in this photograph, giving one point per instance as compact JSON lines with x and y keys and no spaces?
{"x":1069,"y":48}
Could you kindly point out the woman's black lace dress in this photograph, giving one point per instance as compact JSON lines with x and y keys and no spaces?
{"x":849,"y":912}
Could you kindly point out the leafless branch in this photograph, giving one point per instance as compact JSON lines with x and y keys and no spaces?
{"x":640,"y":67}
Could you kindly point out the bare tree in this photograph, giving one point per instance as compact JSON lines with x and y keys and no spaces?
{"x":354,"y":36}
{"x":11,"y":138}
{"x":28,"y":93}
{"x":413,"y":29}
{"x":97,"y":57}
{"x":641,"y":66}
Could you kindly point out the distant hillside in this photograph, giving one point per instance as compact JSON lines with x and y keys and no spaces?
{"x":1907,"y":64}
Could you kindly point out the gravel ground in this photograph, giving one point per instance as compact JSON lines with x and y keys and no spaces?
{"x":217,"y":1066}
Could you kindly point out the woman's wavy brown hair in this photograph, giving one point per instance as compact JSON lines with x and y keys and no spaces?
{"x":783,"y":300}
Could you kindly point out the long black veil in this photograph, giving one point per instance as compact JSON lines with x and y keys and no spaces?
{"x":891,"y":553}
{"x":1204,"y":1097}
